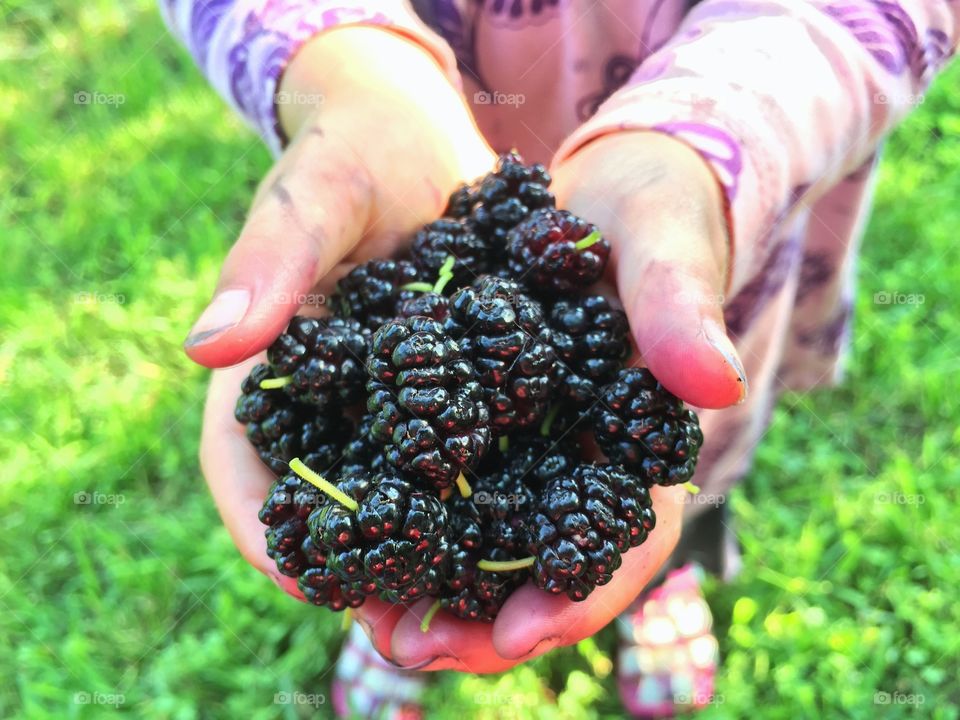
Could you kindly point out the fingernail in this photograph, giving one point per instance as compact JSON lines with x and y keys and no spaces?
{"x":224,"y":312}
{"x":423,"y":663}
{"x":415,"y":666}
{"x":717,"y":337}
{"x":365,"y":626}
{"x":543,"y":645}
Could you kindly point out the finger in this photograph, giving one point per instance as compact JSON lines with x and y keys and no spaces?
{"x":673,"y":294}
{"x":532,"y":622}
{"x":378,"y":619}
{"x":237,"y":479}
{"x":660,"y":207}
{"x":311,"y":210}
{"x":448,"y":644}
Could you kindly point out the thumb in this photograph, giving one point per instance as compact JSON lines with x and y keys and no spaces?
{"x":302,"y":223}
{"x":661,"y":209}
{"x":673,"y":290}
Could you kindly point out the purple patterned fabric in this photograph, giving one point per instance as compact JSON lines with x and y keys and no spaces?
{"x":882,"y":27}
{"x":714,"y":143}
{"x":205,"y":18}
{"x":770,"y":93}
{"x":744,"y":308}
{"x":243,"y":46}
{"x":829,"y":338}
{"x":817,"y":270}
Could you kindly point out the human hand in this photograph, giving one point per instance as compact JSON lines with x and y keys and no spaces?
{"x":352,"y":185}
{"x":373,"y":161}
{"x":658,"y":204}
{"x":380,"y":138}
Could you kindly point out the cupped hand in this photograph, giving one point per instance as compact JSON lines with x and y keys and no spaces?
{"x":375,"y":161}
{"x":380,"y":138}
{"x":659,"y":205}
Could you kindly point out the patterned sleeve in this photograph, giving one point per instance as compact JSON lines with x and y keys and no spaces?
{"x":243,"y":46}
{"x":782,"y":97}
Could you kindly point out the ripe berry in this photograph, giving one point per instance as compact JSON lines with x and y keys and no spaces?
{"x":364,"y":451}
{"x":429,"y":408}
{"x":535,"y":460}
{"x":444,"y":238}
{"x":395,"y":537}
{"x":434,"y":306}
{"x":323,"y":358}
{"x":644,"y":427}
{"x":289,"y":503}
{"x":280,"y":429}
{"x":320,"y":586}
{"x":474,"y":594}
{"x":372,"y":291}
{"x":460,"y":203}
{"x":592,"y":339}
{"x":556,"y":251}
{"x":517,"y":370}
{"x":503,"y":198}
{"x":583,"y":522}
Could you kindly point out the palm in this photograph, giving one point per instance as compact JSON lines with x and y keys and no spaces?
{"x":345,"y":202}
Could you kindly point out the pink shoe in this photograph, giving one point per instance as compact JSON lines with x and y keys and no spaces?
{"x":367,"y":686}
{"x":667,"y":662}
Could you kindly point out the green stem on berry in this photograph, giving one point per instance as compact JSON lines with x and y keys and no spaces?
{"x":425,"y":623}
{"x":591,"y":239}
{"x":548,"y":420}
{"x":463,"y":486}
{"x":691,"y":488}
{"x":276,"y":383}
{"x":347,"y":619}
{"x":504,"y":443}
{"x":447,"y":267}
{"x":442,"y":283}
{"x":506,"y":565}
{"x":445,"y":275}
{"x":324,"y":485}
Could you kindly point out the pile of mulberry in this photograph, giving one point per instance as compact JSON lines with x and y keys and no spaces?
{"x":465,"y":420}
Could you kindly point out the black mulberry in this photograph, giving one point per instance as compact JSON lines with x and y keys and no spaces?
{"x":583,"y":522}
{"x":644,"y":427}
{"x":518,"y":371}
{"x":554,"y":250}
{"x":429,"y":406}
{"x":323,"y":359}
{"x":372,"y":291}
{"x":592,"y":339}
{"x":395,"y":535}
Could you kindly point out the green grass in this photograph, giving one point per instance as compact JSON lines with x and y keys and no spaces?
{"x":132,"y":206}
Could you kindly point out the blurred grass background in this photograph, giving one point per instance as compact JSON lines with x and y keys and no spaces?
{"x":115,"y":218}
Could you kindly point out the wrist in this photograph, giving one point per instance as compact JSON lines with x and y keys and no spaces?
{"x":357,"y":65}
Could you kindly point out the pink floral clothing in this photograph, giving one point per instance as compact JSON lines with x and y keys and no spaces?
{"x":788,"y":101}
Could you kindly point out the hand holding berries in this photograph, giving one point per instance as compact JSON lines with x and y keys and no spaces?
{"x":476,"y":380}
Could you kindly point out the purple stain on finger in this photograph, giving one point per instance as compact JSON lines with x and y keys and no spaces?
{"x":719,"y":148}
